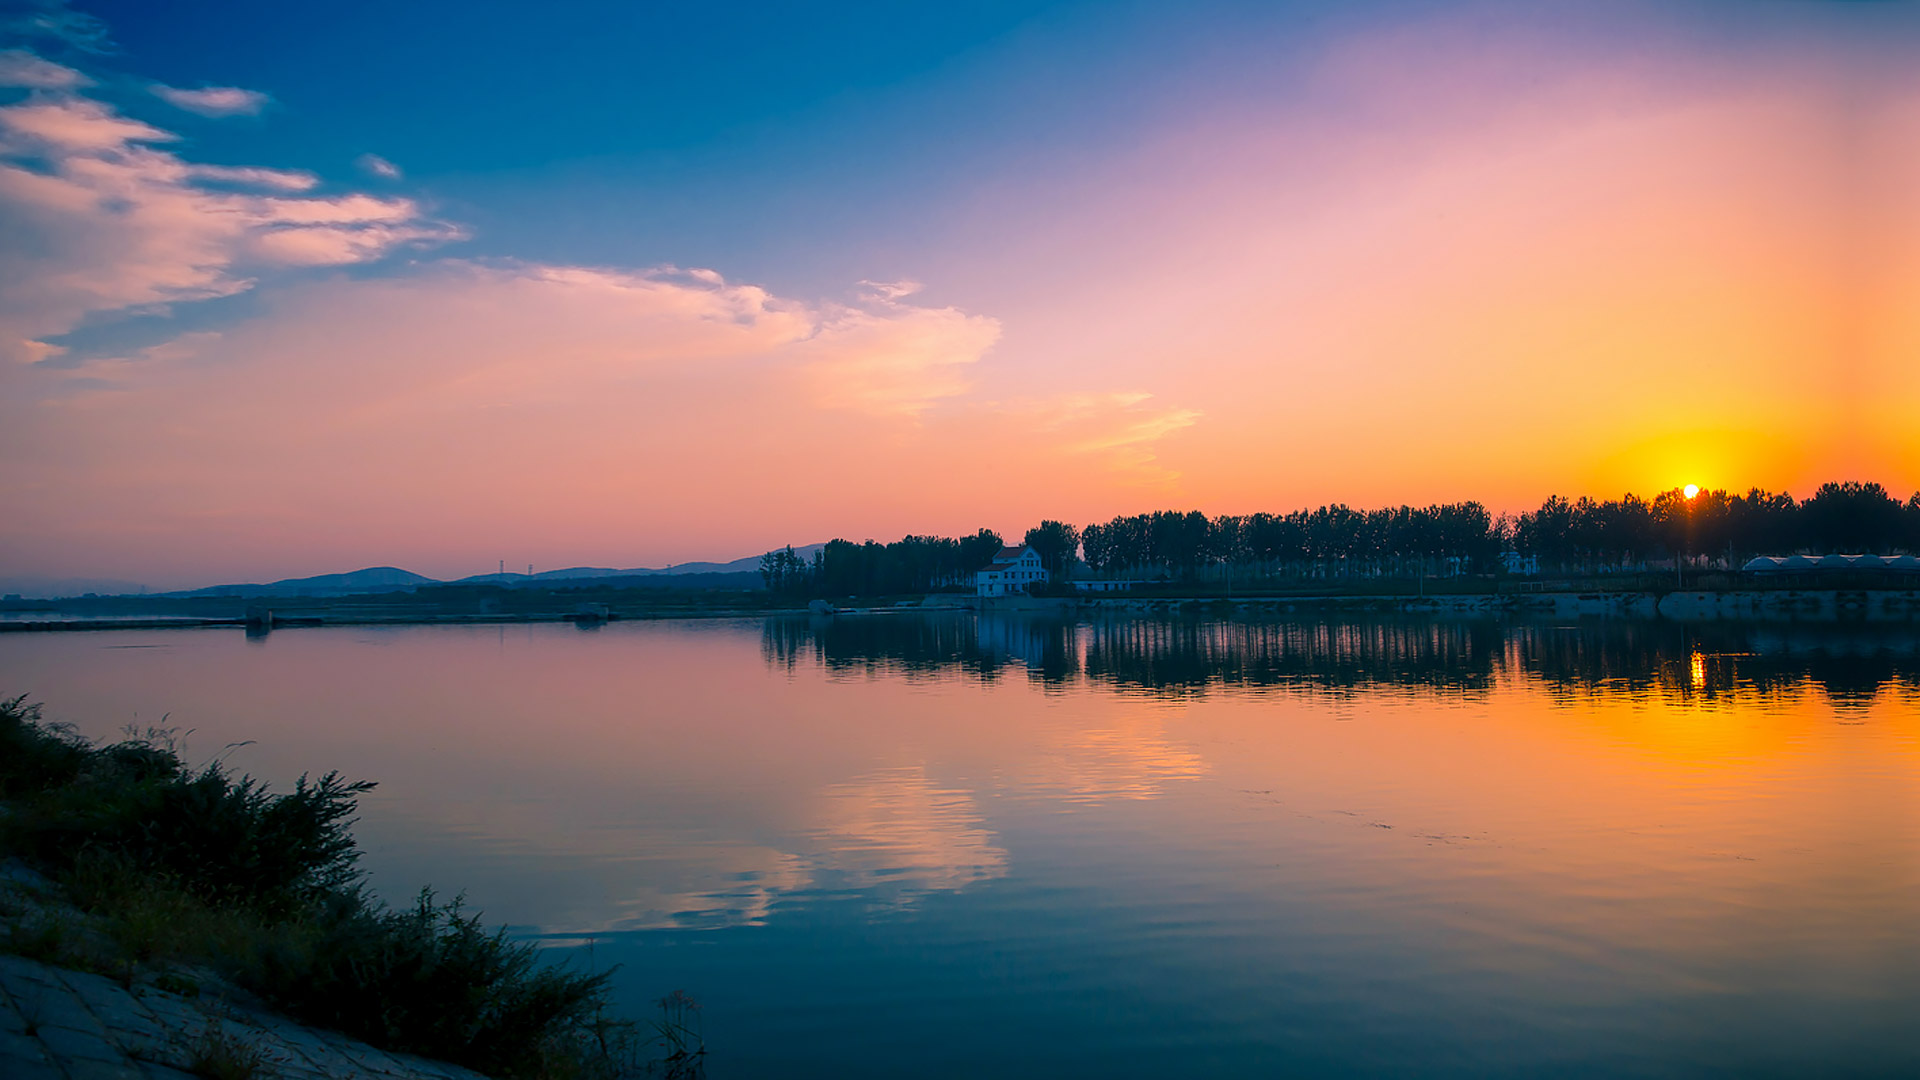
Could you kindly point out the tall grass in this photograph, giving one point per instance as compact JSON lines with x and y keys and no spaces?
{"x":198,"y":865}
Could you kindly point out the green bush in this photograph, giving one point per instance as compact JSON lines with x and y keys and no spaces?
{"x":225,"y":840}
{"x":205,"y":867}
{"x":230,"y":841}
{"x":430,"y":979}
{"x":34,"y":755}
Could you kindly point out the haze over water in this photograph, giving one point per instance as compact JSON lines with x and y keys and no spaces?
{"x":1138,"y":847}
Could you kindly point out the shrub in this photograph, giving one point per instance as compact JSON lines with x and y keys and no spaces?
{"x":231,"y":841}
{"x":151,"y":919}
{"x":203,"y":866}
{"x":34,"y":755}
{"x":226,"y":840}
{"x":430,"y":979}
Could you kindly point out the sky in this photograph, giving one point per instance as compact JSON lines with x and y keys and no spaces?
{"x":289,"y":290}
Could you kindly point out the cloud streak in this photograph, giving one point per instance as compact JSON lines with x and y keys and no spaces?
{"x":375,"y":165}
{"x":54,"y":20}
{"x":23,"y":70}
{"x":105,"y":218}
{"x":213,"y":101}
{"x":899,"y":361}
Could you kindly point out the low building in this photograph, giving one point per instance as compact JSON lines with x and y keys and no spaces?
{"x":1010,"y":573}
{"x":1768,"y":564}
{"x":1100,"y":585}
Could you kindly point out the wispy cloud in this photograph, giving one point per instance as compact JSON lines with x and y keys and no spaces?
{"x":20,"y":68}
{"x":1120,"y":428}
{"x":375,"y":165}
{"x":67,"y":128}
{"x":896,"y":362}
{"x":1136,"y":429}
{"x":888,"y":290}
{"x":54,"y":20}
{"x":215,"y":101}
{"x":277,"y":179}
{"x":107,"y":219}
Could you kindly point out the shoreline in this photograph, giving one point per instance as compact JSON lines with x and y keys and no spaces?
{"x":1871,"y":605}
{"x":1892,"y":605}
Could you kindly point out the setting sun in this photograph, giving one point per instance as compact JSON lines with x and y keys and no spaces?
{"x":1691,"y":490}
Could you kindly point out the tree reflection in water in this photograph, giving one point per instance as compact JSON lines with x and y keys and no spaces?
{"x":1174,"y":655}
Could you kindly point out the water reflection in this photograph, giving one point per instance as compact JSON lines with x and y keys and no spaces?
{"x":1173,"y":656}
{"x":1133,"y":757}
{"x":897,"y":834}
{"x":1141,"y":846}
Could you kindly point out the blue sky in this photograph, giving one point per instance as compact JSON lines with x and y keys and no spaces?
{"x":796,"y":143}
{"x":803,"y":145}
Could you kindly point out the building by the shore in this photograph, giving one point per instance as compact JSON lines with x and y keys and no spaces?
{"x":1010,"y":572}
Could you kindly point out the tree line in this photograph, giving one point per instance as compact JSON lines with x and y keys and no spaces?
{"x":909,"y":564}
{"x":1583,"y":535}
{"x":1331,"y":540}
{"x":1586,"y":535}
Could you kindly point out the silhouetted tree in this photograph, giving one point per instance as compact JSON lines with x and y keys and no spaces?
{"x":978,"y":550}
{"x":1337,"y":541}
{"x":1852,"y":517}
{"x":784,"y":572}
{"x":1057,"y":544}
{"x":909,"y":564}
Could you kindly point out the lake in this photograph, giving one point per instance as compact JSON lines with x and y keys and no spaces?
{"x":955,"y":846}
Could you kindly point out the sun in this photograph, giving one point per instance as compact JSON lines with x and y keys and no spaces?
{"x":1690,"y":490}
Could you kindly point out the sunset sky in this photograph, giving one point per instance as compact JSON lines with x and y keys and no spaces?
{"x":292,"y":289}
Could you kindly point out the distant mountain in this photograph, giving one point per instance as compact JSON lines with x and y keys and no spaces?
{"x":374,"y":579}
{"x":514,"y":581}
{"x":379,"y":579}
{"x":748,"y":565}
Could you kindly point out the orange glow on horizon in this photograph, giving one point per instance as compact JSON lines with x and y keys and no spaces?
{"x":1545,"y":273}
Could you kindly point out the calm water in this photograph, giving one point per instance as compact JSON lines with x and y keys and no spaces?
{"x":1137,"y":848}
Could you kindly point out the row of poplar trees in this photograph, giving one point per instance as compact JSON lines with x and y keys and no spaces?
{"x":1583,"y":535}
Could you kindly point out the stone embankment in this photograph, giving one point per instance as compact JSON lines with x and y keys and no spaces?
{"x":1811,"y":605}
{"x":57,"y":1024}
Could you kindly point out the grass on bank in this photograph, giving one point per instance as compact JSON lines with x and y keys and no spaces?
{"x":177,"y":868}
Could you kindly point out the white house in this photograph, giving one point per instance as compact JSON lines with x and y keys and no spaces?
{"x":1010,"y":573}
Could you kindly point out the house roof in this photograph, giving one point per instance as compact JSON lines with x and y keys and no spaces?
{"x":1011,"y":554}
